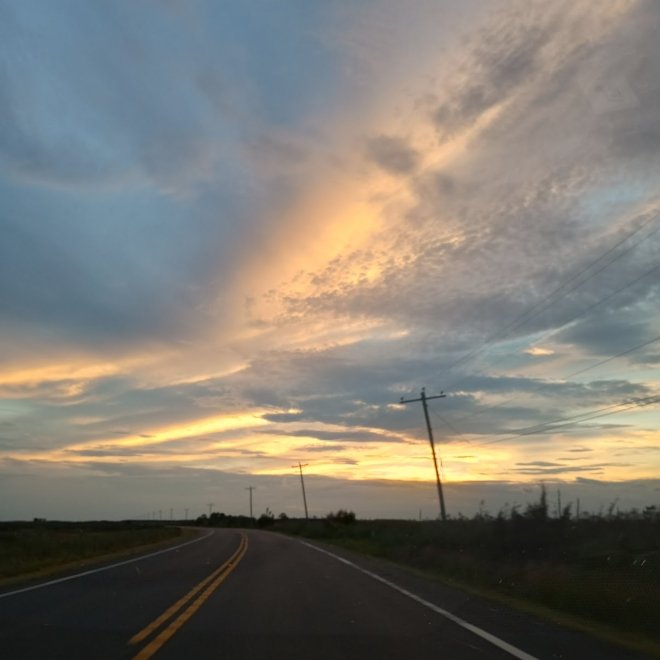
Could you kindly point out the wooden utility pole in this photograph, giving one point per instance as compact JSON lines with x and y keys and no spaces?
{"x":423,"y":398}
{"x":302,"y":483}
{"x":558,"y":503}
{"x":251,"y":488}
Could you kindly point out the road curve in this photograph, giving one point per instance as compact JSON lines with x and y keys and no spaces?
{"x":257,"y":595}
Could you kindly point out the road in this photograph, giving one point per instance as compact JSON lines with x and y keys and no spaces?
{"x":256,"y":595}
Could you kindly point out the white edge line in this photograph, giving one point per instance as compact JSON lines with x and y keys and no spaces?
{"x":103,"y":568}
{"x":496,"y":641}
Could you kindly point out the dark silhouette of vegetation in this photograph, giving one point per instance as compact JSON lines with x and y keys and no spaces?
{"x":266,"y":519}
{"x":341,"y":517}
{"x":217,"y":519}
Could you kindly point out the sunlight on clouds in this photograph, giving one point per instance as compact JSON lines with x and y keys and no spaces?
{"x":32,"y":376}
{"x":216,"y":424}
{"x":539,"y":351}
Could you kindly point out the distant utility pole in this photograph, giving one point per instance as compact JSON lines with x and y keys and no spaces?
{"x":558,"y":503}
{"x":171,"y":514}
{"x":302,"y":483}
{"x":251,"y":488}
{"x":210,"y":505}
{"x":423,"y":398}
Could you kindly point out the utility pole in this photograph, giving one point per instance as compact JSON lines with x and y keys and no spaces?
{"x":558,"y":503}
{"x":186,"y":513}
{"x":210,"y":505}
{"x":302,"y":483}
{"x":423,"y":398}
{"x":171,"y":514}
{"x":251,"y":488}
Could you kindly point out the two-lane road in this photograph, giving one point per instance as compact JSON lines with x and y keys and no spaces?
{"x":256,"y":595}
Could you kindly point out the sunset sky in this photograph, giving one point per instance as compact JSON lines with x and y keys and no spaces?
{"x":234,"y":234}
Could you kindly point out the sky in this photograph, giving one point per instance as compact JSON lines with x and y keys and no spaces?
{"x":233,"y":235}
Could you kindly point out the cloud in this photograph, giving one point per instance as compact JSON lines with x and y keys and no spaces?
{"x":392,"y":154}
{"x":565,"y":469}
{"x":538,"y":351}
{"x":345,"y":436}
{"x":607,"y":334}
{"x":508,"y":55}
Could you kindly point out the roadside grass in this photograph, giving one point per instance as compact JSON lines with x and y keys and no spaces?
{"x":602,"y":572}
{"x":41,"y":548}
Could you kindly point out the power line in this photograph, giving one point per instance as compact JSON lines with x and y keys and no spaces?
{"x":450,"y":426}
{"x":575,"y":419}
{"x":590,"y":367}
{"x":575,"y":373}
{"x":614,"y":357}
{"x":546,"y":301}
{"x":591,"y":307}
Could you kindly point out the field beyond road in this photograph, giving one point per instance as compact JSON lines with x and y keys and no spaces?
{"x":39,"y":547}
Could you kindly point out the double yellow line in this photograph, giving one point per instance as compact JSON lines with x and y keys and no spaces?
{"x":198,"y":595}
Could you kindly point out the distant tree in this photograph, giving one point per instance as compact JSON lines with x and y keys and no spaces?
{"x":266,"y":519}
{"x":650,"y":512}
{"x":538,"y":510}
{"x":218,"y":519}
{"x":341,"y":517}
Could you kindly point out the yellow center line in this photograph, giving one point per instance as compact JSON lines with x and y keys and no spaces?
{"x":215,"y":578}
{"x":171,"y":611}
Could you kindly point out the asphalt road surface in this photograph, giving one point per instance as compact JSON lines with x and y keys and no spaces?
{"x":256,"y":595}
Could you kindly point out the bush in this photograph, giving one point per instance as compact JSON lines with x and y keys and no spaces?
{"x":341,"y":517}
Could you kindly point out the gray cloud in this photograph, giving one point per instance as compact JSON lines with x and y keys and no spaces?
{"x":345,"y":436}
{"x":566,"y":469}
{"x":508,"y":53}
{"x":393,"y":154}
{"x":605,"y":334}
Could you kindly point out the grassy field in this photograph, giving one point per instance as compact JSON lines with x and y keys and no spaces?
{"x":27,"y":548}
{"x":603,"y":569}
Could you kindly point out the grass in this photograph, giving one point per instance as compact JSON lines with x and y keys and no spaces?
{"x":40,"y":547}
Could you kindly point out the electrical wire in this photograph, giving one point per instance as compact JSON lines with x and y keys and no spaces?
{"x":575,"y":318}
{"x":553,"y":424}
{"x":547,"y":300}
{"x":614,"y":357}
{"x":450,"y":426}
